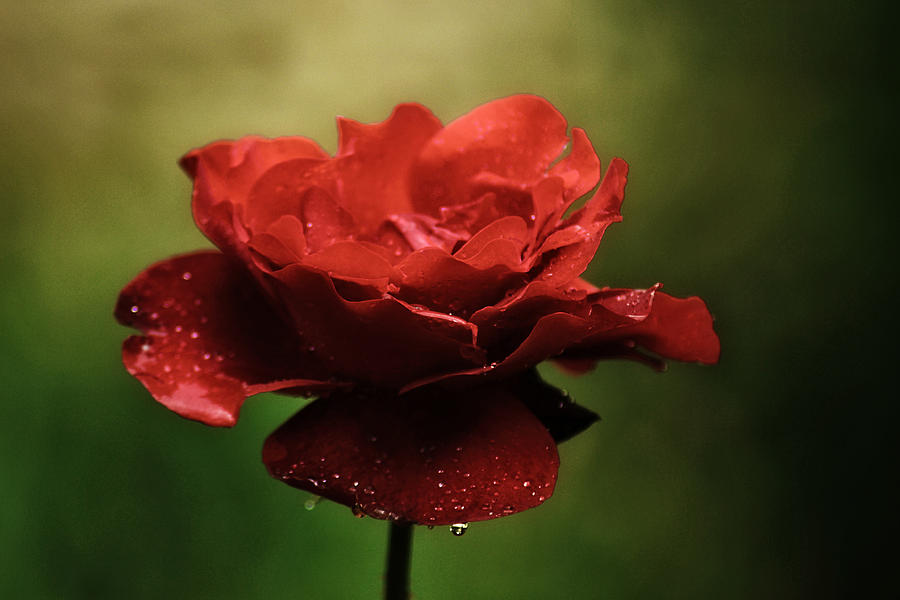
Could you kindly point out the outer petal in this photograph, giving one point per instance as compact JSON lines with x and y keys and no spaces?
{"x":431,"y":457}
{"x":382,"y":342}
{"x":212,"y":340}
{"x":516,"y":138}
{"x":677,"y":328}
{"x":617,"y":325}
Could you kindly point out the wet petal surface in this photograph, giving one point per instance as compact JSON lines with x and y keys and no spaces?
{"x":433,"y":457}
{"x":516,"y":138}
{"x":211,"y":339}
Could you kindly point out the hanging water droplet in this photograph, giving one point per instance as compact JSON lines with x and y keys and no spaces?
{"x":312,"y":502}
{"x":358,"y":511}
{"x":458,"y":529}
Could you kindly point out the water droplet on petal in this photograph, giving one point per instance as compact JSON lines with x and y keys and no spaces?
{"x":312,"y":502}
{"x":458,"y":529}
{"x":186,"y":276}
{"x":135,"y":308}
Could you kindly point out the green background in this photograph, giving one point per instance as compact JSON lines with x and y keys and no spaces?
{"x":761,"y":145}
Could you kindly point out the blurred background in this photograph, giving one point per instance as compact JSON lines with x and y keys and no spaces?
{"x":761,"y":147}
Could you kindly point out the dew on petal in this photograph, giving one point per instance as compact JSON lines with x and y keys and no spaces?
{"x":186,"y":275}
{"x":135,"y":308}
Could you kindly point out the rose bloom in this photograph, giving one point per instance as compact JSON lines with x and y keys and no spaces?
{"x":411,"y":282}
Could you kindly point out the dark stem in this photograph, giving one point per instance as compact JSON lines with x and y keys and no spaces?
{"x":396,"y":579}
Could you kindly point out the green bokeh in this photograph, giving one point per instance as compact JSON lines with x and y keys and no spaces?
{"x":760,"y":138}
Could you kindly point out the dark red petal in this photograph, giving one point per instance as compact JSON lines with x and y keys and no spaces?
{"x":373,"y":161}
{"x":618,"y":324}
{"x":353,"y":261}
{"x":432,"y":457}
{"x":422,"y":231}
{"x":383,"y":342}
{"x":516,"y":138}
{"x":567,"y":258}
{"x":440,"y":282}
{"x":212,"y":340}
{"x":676,"y":328}
{"x":502,"y":327}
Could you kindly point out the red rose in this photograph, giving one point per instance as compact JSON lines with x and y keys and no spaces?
{"x":412,"y":281}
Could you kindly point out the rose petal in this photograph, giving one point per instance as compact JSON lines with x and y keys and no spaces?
{"x":504,"y":326}
{"x":618,"y":325}
{"x":353,"y":261}
{"x":493,"y":203}
{"x":432,"y":457}
{"x":380,"y":342}
{"x":507,"y":229}
{"x":585,"y":228}
{"x":224,"y":172}
{"x":422,"y":231}
{"x":283,"y":243}
{"x":676,"y":328}
{"x":303,"y":188}
{"x":440,"y":282}
{"x":516,"y":137}
{"x":373,"y":161}
{"x":211,"y":341}
{"x":580,"y":169}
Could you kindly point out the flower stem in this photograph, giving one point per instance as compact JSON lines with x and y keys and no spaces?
{"x":396,"y":579}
